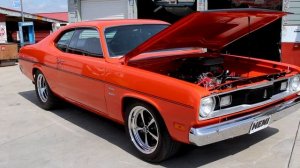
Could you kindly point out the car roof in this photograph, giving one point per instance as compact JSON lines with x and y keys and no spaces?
{"x":115,"y":22}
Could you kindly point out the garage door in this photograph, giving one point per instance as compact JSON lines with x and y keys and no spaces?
{"x":292,"y":6}
{"x":103,"y":9}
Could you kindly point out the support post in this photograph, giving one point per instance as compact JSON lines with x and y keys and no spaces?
{"x":22,"y":12}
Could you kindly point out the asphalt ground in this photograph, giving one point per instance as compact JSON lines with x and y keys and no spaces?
{"x":68,"y":137}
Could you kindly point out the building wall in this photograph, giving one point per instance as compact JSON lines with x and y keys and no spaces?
{"x":292,"y":6}
{"x":290,"y":46}
{"x":290,"y":34}
{"x":104,"y":9}
{"x":78,"y":11}
{"x":74,"y":11}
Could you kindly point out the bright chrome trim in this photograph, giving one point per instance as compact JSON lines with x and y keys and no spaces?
{"x":42,"y":88}
{"x":242,"y":107}
{"x":240,"y":126}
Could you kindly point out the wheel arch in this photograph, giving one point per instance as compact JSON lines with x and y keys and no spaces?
{"x":167,"y":146}
{"x":127,"y":100}
{"x":35,"y":68}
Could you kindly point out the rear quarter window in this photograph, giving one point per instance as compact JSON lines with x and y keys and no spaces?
{"x":64,"y":40}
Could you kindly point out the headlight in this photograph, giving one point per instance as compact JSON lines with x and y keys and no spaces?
{"x":295,"y":84}
{"x":207,"y":106}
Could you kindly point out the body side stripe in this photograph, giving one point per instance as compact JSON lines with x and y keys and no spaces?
{"x":83,"y":76}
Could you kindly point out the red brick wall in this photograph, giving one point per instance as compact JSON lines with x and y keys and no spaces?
{"x":39,"y":35}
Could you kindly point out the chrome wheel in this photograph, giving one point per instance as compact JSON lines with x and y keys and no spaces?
{"x":143,"y":130}
{"x":42,"y":88}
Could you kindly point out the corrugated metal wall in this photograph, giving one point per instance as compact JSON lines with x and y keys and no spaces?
{"x":103,"y":9}
{"x":292,"y":6}
{"x":290,"y":41}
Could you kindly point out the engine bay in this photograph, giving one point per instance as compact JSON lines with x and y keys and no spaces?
{"x":214,"y":72}
{"x":207,"y":72}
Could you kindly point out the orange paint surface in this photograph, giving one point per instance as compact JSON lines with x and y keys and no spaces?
{"x":101,"y":84}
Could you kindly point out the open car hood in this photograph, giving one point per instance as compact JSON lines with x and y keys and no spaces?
{"x":213,"y":29}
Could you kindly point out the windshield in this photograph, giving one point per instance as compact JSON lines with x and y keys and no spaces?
{"x":122,"y":39}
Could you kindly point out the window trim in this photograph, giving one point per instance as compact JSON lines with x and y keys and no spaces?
{"x":61,"y":35}
{"x":107,"y":27}
{"x":75,"y":29}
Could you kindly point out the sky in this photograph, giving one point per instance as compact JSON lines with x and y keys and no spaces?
{"x":38,"y":6}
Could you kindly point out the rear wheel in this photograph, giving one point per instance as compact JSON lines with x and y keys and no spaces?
{"x":148,"y":133}
{"x":43,"y":91}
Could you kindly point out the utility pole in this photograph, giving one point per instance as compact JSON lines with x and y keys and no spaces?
{"x":22,"y":12}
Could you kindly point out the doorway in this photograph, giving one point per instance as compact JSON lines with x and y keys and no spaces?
{"x":163,"y":10}
{"x":263,"y":43}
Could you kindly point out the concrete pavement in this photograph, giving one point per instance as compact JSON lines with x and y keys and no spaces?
{"x":294,"y":159}
{"x":71,"y":137}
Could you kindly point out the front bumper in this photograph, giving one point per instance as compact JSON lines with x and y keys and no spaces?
{"x":240,"y":126}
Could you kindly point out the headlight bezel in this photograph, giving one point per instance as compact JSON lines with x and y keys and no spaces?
{"x":287,"y":88}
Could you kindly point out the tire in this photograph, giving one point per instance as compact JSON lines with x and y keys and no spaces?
{"x":143,"y":122}
{"x":44,"y":94}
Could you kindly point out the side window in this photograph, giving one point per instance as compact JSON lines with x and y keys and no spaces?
{"x":63,"y":42}
{"x":86,"y":42}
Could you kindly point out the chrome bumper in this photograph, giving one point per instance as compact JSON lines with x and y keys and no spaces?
{"x":240,"y":126}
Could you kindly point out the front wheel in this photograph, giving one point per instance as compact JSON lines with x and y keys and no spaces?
{"x":148,"y":133}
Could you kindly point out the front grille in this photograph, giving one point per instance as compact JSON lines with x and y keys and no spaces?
{"x":252,"y":96}
{"x":258,"y":95}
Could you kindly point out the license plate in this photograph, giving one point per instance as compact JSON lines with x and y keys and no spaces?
{"x":260,"y":124}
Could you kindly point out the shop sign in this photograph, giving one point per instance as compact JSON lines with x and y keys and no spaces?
{"x":201,"y":5}
{"x":3,"y":35}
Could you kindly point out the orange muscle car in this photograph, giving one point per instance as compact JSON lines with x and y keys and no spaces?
{"x":168,"y":84}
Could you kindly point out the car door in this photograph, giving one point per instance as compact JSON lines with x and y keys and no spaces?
{"x":61,"y":45}
{"x":82,"y":70}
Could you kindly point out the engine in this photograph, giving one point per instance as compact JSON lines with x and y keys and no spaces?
{"x":205,"y":71}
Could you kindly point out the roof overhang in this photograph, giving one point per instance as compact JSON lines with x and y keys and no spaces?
{"x":15,"y":13}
